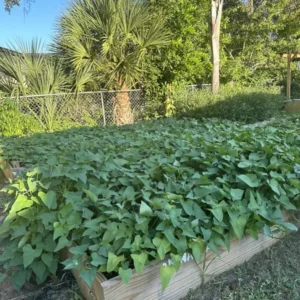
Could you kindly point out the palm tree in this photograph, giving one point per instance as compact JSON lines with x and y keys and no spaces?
{"x":27,"y":71}
{"x":110,"y":40}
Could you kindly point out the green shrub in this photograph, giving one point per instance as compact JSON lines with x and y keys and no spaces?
{"x":13,"y":122}
{"x":138,"y":193}
{"x":246,"y":104}
{"x":10,"y":119}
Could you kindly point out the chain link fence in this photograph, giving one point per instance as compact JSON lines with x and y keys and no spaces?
{"x":86,"y":108}
{"x":192,"y":88}
{"x":66,"y":110}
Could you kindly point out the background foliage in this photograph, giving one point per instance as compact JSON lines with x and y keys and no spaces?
{"x":234,"y":102}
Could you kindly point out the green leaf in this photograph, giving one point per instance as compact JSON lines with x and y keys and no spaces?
{"x":98,"y":260}
{"x":19,"y":278}
{"x":236,"y":194}
{"x":250,"y":179}
{"x":91,"y":195}
{"x":47,"y":258}
{"x":206,"y":233}
{"x":166,"y":274}
{"x":252,"y":203}
{"x":129,"y":193}
{"x":139,"y":261}
{"x":86,"y":213}
{"x":239,"y":225}
{"x":162,"y":246}
{"x":113,"y":261}
{"x":88,"y":275}
{"x":20,"y":203}
{"x":201,"y":192}
{"x":218,"y":213}
{"x":289,"y":226}
{"x":145,"y":210}
{"x":49,"y":199}
{"x":2,"y":277}
{"x":176,"y":261}
{"x":30,"y":254}
{"x":274,"y":186}
{"x":213,"y":248}
{"x":198,"y":212}
{"x":198,"y":248}
{"x":188,"y":207}
{"x":62,"y":243}
{"x":125,"y":275}
{"x":79,"y":250}
{"x":39,"y":269}
{"x":58,"y":230}
{"x":169,"y":233}
{"x":245,"y":164}
{"x":32,"y":185}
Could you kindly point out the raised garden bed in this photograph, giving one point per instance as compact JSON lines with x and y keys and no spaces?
{"x":147,"y":286}
{"x":147,"y":194}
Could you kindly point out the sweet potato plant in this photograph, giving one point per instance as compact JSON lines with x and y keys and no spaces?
{"x":120,"y":198}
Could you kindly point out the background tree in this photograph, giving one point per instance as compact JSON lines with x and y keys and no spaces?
{"x":110,"y":41}
{"x":9,"y":4}
{"x":186,"y":59}
{"x":216,"y":16}
{"x":252,"y":42}
{"x":29,"y":72}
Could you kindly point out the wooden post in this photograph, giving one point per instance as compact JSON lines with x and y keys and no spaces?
{"x":289,"y":77}
{"x":6,"y":169}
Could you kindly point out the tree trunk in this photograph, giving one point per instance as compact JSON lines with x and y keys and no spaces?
{"x":216,"y":14}
{"x":122,"y":108}
{"x":289,"y":77}
{"x":251,"y":6}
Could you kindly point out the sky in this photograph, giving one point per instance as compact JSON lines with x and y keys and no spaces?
{"x":39,"y":22}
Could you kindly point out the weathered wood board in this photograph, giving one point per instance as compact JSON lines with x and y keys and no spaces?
{"x":9,"y":172}
{"x":146,"y":286}
{"x":293,"y":106}
{"x":6,"y":171}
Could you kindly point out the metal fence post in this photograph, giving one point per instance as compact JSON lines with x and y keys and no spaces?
{"x":103,"y":109}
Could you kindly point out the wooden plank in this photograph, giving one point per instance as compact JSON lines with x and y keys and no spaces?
{"x":6,"y":170}
{"x":294,"y":55}
{"x":293,"y":106}
{"x":147,"y":286}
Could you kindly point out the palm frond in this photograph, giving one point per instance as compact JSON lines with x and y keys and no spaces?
{"x":111,"y":38}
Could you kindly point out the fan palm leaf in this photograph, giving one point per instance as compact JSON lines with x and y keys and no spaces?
{"x":110,"y":37}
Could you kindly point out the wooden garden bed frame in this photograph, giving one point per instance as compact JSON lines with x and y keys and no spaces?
{"x":147,"y":286}
{"x":8,"y":171}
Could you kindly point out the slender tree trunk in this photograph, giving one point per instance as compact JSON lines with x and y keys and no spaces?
{"x":122,"y":107}
{"x":251,"y":6}
{"x":216,"y":14}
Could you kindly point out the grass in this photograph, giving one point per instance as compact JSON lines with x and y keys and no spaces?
{"x":273,"y":274}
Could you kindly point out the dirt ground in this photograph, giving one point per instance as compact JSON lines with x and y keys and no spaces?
{"x":64,"y":288}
